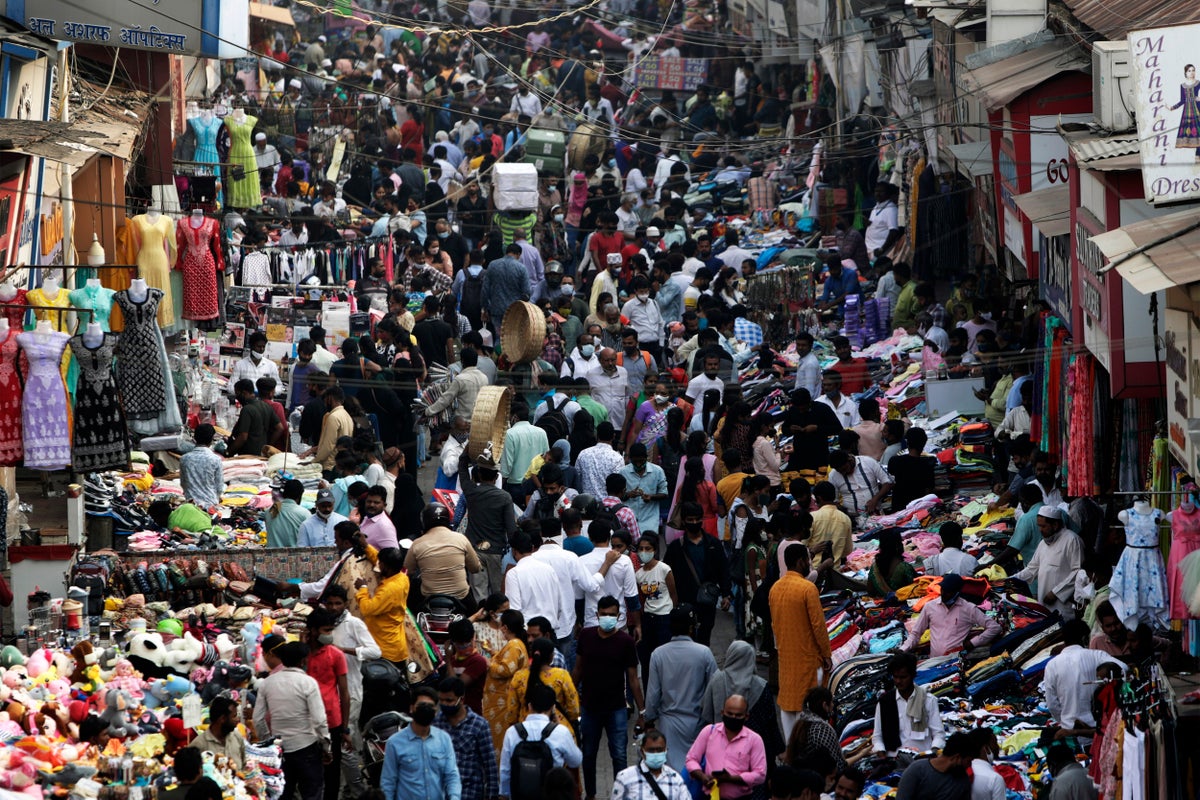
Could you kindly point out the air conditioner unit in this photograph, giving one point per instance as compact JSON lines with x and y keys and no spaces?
{"x":1112,"y":86}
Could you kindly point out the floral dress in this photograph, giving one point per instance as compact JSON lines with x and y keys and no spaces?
{"x":566,"y":699}
{"x":490,"y":640}
{"x":497,"y":691}
{"x":1138,"y":589}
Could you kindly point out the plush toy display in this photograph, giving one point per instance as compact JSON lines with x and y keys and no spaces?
{"x":117,"y":705}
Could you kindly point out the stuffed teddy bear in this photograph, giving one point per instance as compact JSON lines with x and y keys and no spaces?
{"x":117,"y":706}
{"x":84,"y":655}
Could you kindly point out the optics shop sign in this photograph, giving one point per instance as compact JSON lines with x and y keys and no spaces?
{"x":1167,"y":108}
{"x":171,"y":26}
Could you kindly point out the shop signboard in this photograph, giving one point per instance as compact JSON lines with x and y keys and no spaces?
{"x":1179,"y":395}
{"x":1055,"y":275}
{"x":667,"y":72}
{"x":165,"y":26}
{"x":1165,"y":106}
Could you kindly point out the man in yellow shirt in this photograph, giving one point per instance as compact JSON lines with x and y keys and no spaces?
{"x":729,"y":487}
{"x":385,"y":611}
{"x":830,"y":526}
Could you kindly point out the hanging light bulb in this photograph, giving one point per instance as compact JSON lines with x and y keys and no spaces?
{"x":95,"y":255}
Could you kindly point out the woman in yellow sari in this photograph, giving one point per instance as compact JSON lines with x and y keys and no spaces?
{"x":566,"y":706}
{"x":507,"y":662}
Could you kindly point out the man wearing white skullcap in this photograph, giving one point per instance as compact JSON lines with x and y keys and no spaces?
{"x":268,"y":160}
{"x":1058,"y":557}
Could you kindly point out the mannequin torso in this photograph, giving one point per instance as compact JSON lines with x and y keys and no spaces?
{"x":50,"y":288}
{"x":93,"y":337}
{"x":138,"y":290}
{"x":8,"y":292}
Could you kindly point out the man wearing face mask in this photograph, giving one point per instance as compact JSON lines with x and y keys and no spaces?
{"x":944,"y":776}
{"x":318,"y":529}
{"x":606,"y":280}
{"x":350,"y":635}
{"x":734,"y":758}
{"x":583,"y":358}
{"x":645,"y":318}
{"x":419,"y":761}
{"x":452,"y":243}
{"x":638,"y":782}
{"x":472,"y":740}
{"x":327,"y":666}
{"x":255,"y":364}
{"x":611,"y":387}
{"x":952,"y":622}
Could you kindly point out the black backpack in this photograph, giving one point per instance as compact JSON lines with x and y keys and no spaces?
{"x":609,"y":515}
{"x":471,"y":303}
{"x":529,"y":764}
{"x":554,"y":421}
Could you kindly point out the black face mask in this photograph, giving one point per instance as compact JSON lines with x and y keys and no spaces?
{"x":734,"y":724}
{"x":424,"y":714}
{"x":692,"y":527}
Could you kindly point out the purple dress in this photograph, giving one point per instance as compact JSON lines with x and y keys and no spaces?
{"x":44,"y":415}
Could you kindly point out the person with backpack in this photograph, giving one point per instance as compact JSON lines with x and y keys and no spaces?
{"x":468,"y":288}
{"x":620,"y":516}
{"x":419,"y":762}
{"x":556,"y":413}
{"x":534,"y":747}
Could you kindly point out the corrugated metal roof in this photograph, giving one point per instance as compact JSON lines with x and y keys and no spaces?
{"x":1114,"y":20}
{"x":1171,"y":262}
{"x":1001,"y":82}
{"x":1104,"y":153}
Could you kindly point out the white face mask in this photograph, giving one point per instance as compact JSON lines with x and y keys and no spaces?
{"x":643,"y":296}
{"x":661,"y":398}
{"x":567,"y":289}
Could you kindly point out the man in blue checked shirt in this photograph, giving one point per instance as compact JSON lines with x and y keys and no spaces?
{"x":840,"y":282}
{"x":419,"y":762}
{"x":474,"y":752}
{"x":743,"y":329}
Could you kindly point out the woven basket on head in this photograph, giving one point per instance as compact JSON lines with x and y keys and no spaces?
{"x":489,"y":422}
{"x":523,"y":332}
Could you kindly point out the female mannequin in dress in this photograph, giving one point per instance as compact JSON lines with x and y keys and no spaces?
{"x":14,"y":299}
{"x":11,"y":448}
{"x":201,"y":262}
{"x":1185,"y":540}
{"x":45,"y":416}
{"x":1138,"y":589}
{"x":244,"y":192}
{"x":101,"y":433}
{"x":138,"y":290}
{"x":98,"y":299}
{"x":50,"y":288}
{"x":94,"y":335}
{"x":8,"y":292}
{"x":154,"y":238}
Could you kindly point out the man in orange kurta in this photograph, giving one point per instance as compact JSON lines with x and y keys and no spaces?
{"x":801,"y":638}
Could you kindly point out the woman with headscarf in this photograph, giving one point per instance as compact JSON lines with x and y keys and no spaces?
{"x":740,"y":676}
{"x":890,"y":571}
{"x":570,"y":476}
{"x":583,"y":435}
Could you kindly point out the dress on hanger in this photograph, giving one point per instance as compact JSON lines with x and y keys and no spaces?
{"x":99,"y":300}
{"x":10,"y":399}
{"x":156,"y":253}
{"x":206,"y":140}
{"x":16,"y":316}
{"x":44,"y":415}
{"x":200,"y":261}
{"x":141,"y":373}
{"x":246,"y":192}
{"x":1138,"y":589}
{"x":1185,"y":540}
{"x":101,"y":440}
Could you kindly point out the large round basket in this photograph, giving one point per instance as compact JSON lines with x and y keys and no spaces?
{"x":523,"y":332}
{"x":489,"y":422}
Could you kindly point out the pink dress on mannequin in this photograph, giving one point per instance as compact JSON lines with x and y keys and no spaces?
{"x":1185,"y":539}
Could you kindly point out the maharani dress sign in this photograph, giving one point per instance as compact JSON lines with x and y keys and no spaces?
{"x":1167,"y":109}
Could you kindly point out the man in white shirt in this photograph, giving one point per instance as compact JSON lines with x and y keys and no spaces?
{"x":525,"y":102}
{"x":322,"y":359}
{"x":317,"y":530}
{"x":267,"y":159}
{"x":952,"y":560}
{"x":700,"y":384}
{"x":255,"y":364}
{"x":883,"y":227}
{"x":645,"y":317}
{"x":619,"y":581}
{"x":532,"y":587}
{"x":573,"y":579}
{"x":845,"y":408}
{"x":295,"y":235}
{"x":583,"y":358}
{"x":733,"y":255}
{"x":610,"y":386}
{"x":1070,"y":678}
{"x":561,"y":401}
{"x":598,"y":110}
{"x":1055,"y":561}
{"x":808,"y":371}
{"x":860,"y":480}
{"x":627,"y":218}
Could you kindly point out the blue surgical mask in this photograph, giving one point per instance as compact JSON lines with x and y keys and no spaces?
{"x":607,"y":624}
{"x":587,"y":350}
{"x":655,"y":760}
{"x":443,"y":234}
{"x":703,"y":323}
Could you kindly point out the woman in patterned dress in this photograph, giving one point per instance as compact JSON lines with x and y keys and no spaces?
{"x":1188,"y":135}
{"x":488,"y":630}
{"x":566,"y":705}
{"x":509,"y":661}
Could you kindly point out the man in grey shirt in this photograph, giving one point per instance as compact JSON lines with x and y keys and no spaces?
{"x":201,"y":472}
{"x":1071,"y":781}
{"x":289,"y":707}
{"x":943,"y":777}
{"x":491,"y":519}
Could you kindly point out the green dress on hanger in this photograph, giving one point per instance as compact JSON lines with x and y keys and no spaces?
{"x":244,"y":192}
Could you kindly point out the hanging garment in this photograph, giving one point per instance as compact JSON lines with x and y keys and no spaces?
{"x":156,"y":254}
{"x":1185,"y":540}
{"x":256,"y":269}
{"x":99,"y":300}
{"x":141,"y":373}
{"x":10,"y":400}
{"x":1138,"y":589}
{"x":101,"y":440}
{"x":44,"y":415}
{"x":244,"y":192}
{"x":206,"y":139}
{"x":59,"y":320}
{"x":200,"y":261}
{"x":15,"y":314}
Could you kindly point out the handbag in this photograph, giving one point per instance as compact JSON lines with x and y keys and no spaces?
{"x":708,"y":593}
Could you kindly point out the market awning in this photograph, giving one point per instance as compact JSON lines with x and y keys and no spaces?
{"x":974,"y":158}
{"x":1049,"y":210}
{"x":1171,"y":259}
{"x":72,"y":143}
{"x":1001,"y":82}
{"x":272,"y":13}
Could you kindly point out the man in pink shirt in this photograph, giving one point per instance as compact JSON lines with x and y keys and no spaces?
{"x":733,"y":755}
{"x":376,"y":525}
{"x":951,"y":622}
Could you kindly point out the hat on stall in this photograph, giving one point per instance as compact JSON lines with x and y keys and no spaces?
{"x":653,"y":232}
{"x":295,"y":83}
{"x":324,"y":496}
{"x":260,"y":137}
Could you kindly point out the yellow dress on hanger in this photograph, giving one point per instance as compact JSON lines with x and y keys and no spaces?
{"x":156,"y":254}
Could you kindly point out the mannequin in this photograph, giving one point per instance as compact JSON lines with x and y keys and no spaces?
{"x":50,"y":288}
{"x":154,"y":237}
{"x":153,"y":214}
{"x":244,"y":192}
{"x":94,"y":283}
{"x":99,"y":299}
{"x":3,"y":326}
{"x":45,"y":415}
{"x":1138,"y":589}
{"x":94,"y":335}
{"x":239,"y":114}
{"x":1185,"y":540}
{"x":43,"y":327}
{"x":8,"y":292}
{"x":206,"y":127}
{"x":138,"y":290}
{"x":197,"y":218}
{"x":202,"y":262}
{"x":11,"y":448}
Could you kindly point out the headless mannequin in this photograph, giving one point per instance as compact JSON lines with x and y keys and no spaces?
{"x":197,"y":219}
{"x":152,"y":215}
{"x":138,"y":290}
{"x":7,"y":292}
{"x":94,"y":283}
{"x":94,"y":335}
{"x":1187,"y":505}
{"x":206,"y":114}
{"x":50,"y":288}
{"x":1140,"y":506}
{"x":44,"y":327}
{"x":239,"y":115}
